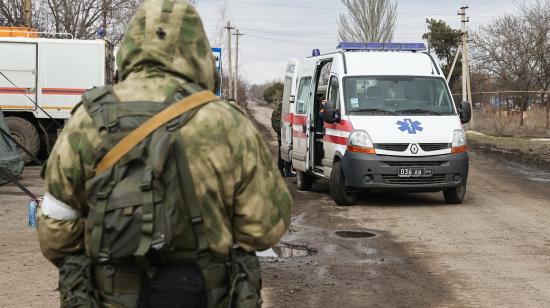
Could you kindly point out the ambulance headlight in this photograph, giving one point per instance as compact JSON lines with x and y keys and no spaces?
{"x":459,"y":138}
{"x":459,"y":142}
{"x":360,"y":142}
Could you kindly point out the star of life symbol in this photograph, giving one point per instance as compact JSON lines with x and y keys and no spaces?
{"x":410,"y":126}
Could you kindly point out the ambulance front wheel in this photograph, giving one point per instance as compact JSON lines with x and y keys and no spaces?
{"x":455,"y":195}
{"x":338,"y":187}
{"x":304,"y":181}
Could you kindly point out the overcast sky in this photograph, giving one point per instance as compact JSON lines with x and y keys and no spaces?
{"x":276,"y":30}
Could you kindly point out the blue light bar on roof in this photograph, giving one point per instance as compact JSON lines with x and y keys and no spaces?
{"x":351,"y":46}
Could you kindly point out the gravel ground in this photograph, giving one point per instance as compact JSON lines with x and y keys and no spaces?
{"x":491,"y":251}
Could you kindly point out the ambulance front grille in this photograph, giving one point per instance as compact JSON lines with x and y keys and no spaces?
{"x":394,"y":147}
{"x":429,"y":147}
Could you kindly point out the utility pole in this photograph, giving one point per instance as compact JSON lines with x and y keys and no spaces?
{"x":548,"y":110}
{"x":104,"y":19}
{"x":236,"y":87}
{"x":466,"y":84}
{"x":230,"y":69}
{"x":27,"y":6}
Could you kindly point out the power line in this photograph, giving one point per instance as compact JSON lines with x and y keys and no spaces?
{"x":287,"y":5}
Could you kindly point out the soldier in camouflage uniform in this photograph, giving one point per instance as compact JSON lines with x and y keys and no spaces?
{"x":276,"y":125}
{"x":164,"y":48}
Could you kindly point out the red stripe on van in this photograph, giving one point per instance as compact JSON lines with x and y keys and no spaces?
{"x":336,"y":139}
{"x":63,"y":91}
{"x":288,"y":118}
{"x":344,"y":126}
{"x":16,"y":91}
{"x":299,"y":119}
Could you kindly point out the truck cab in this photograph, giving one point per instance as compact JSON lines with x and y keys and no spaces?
{"x":378,"y":116}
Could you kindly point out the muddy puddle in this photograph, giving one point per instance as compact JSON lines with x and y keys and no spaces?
{"x":285,"y":250}
{"x":533,"y":174}
{"x":355,"y":234}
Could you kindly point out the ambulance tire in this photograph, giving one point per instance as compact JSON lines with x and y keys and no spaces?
{"x":304,"y":181}
{"x":338,"y":187}
{"x":24,"y":132}
{"x":455,"y":195}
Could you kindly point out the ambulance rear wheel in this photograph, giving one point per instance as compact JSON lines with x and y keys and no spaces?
{"x":26,"y":134}
{"x":338,"y":186}
{"x":304,"y":181}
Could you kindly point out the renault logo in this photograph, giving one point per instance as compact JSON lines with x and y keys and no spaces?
{"x":414,"y":149}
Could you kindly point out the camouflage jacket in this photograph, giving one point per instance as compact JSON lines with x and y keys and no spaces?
{"x":276,"y":118}
{"x":165,"y":46}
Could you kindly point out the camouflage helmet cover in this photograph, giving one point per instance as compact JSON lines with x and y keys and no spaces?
{"x":167,"y":36}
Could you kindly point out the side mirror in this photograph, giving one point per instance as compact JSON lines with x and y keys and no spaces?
{"x":465,"y":112}
{"x":292,"y":99}
{"x":331,"y":114}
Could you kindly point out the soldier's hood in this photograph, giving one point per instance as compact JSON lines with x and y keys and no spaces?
{"x":167,"y":37}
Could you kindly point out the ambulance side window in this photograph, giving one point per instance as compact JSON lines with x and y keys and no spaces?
{"x":303,"y":95}
{"x":334,"y":91}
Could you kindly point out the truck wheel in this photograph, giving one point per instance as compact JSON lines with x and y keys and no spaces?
{"x":26,"y":134}
{"x":338,"y":186}
{"x":455,"y":195}
{"x":304,"y":181}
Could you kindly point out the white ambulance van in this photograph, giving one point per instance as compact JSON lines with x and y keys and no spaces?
{"x":377,"y":116}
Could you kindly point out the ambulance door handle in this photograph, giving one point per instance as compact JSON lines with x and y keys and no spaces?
{"x":304,"y":128}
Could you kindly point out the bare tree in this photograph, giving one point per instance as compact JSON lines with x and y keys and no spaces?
{"x":368,"y":21}
{"x":514,"y":51}
{"x":537,"y":18}
{"x":12,"y":13}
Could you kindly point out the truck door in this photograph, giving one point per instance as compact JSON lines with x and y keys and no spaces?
{"x":301,"y":125}
{"x":18,"y":62}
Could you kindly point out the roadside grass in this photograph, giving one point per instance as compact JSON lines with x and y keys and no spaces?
{"x":525,"y":150}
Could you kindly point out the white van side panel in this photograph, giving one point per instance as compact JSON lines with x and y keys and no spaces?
{"x":66,"y":71}
{"x":18,"y":65}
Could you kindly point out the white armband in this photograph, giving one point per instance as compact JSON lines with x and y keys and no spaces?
{"x":53,"y":208}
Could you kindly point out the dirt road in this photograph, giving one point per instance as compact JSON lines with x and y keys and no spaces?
{"x":491,"y":251}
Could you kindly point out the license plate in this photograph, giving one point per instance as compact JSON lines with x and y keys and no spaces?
{"x":415,"y":173}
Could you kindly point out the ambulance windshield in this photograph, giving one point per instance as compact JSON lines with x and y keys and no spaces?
{"x":397,"y":95}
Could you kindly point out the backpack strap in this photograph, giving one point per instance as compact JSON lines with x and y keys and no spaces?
{"x":217,"y":276}
{"x":147,"y":128}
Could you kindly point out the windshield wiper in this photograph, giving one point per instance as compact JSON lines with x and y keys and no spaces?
{"x":417,"y":110}
{"x":375,"y":110}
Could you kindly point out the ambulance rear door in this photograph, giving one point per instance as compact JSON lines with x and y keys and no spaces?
{"x":301,"y":123}
{"x":288,"y":108}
